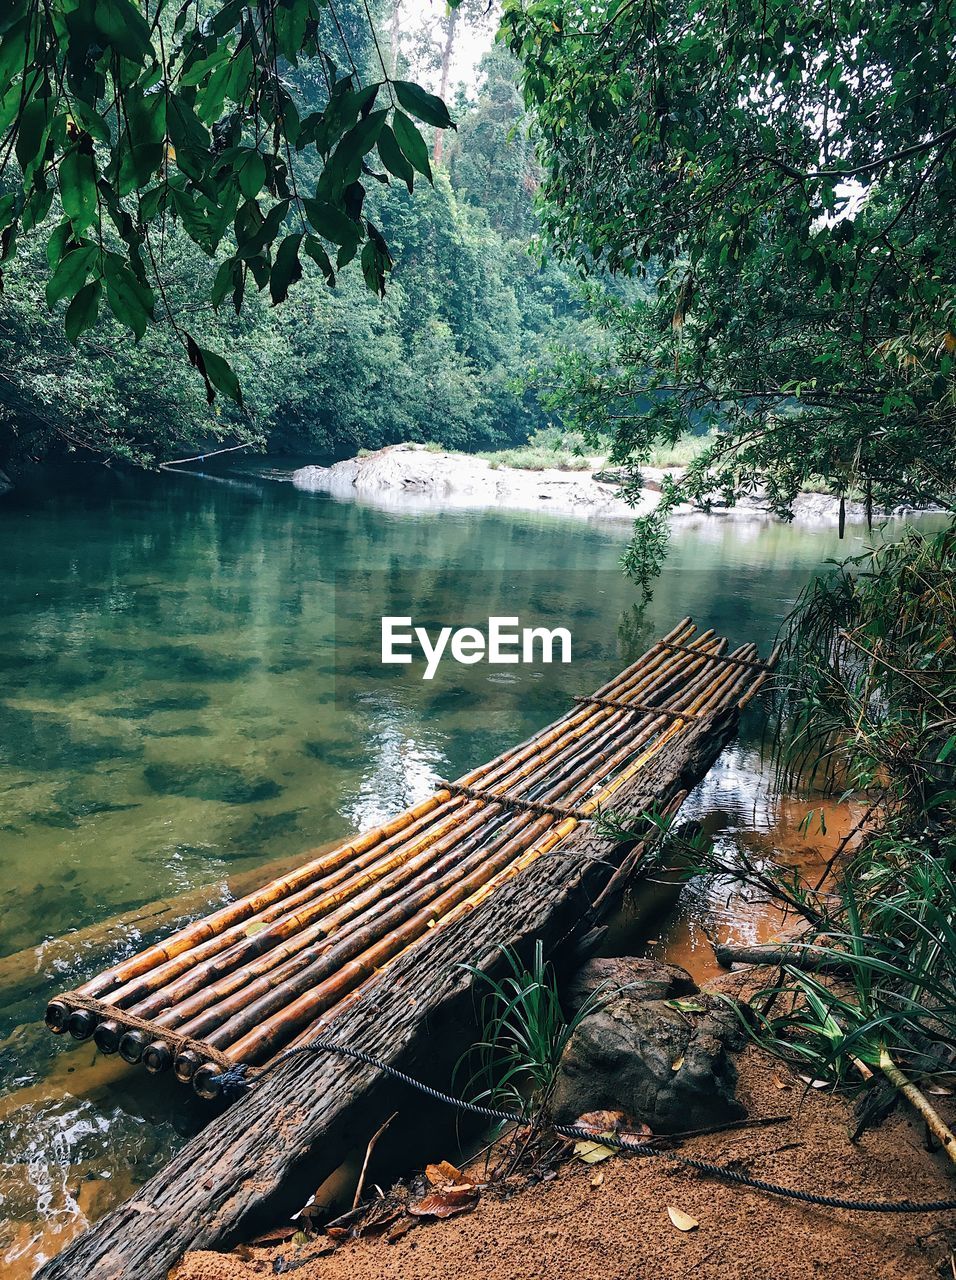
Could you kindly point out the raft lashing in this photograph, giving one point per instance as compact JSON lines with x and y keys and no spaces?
{"x":275,"y":968}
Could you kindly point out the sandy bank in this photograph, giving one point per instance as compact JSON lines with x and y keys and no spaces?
{"x":620,"y":1229}
{"x":412,"y":478}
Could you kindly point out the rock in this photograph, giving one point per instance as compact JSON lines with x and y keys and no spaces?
{"x":417,"y":477}
{"x":411,"y":477}
{"x":647,"y":980}
{"x":665,"y":1065}
{"x":6,"y":484}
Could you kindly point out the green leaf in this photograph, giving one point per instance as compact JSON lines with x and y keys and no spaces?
{"x":318,"y":255}
{"x":393,"y":159}
{"x":82,"y":312}
{"x":346,"y":162}
{"x":412,"y":143}
{"x":424,"y":106}
{"x":143,"y":139}
{"x":77,"y":175}
{"x":332,"y":223}
{"x":286,"y":269}
{"x":70,"y":275}
{"x":123,"y":27}
{"x":31,"y":134}
{"x":216,"y":372}
{"x":130,"y":300}
{"x":225,"y":281}
{"x":251,"y":173}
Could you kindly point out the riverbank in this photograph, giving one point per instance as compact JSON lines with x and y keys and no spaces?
{"x":417,"y":478}
{"x":610,"y":1221}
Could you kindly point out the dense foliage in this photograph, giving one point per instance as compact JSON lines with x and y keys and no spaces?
{"x":780,"y":176}
{"x":442,"y":357}
{"x":870,"y":705}
{"x":133,"y":116}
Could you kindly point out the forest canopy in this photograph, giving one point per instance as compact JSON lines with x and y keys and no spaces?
{"x":232,"y":192}
{"x":781,"y":177}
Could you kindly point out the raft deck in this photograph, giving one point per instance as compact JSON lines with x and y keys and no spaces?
{"x":279,"y":966}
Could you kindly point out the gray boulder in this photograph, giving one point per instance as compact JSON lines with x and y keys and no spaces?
{"x":656,"y":1049}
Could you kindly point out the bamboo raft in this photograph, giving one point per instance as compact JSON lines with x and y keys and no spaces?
{"x":279,"y":965}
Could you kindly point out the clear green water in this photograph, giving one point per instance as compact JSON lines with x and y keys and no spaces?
{"x":191,"y":687}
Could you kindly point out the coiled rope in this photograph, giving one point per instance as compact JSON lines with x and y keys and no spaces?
{"x":239,"y":1078}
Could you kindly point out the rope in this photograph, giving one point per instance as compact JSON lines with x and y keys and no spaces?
{"x":174,"y":1038}
{"x":514,"y":802}
{"x":237,"y":1079}
{"x":645,"y":708}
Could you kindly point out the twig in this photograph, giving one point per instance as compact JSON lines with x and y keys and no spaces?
{"x":201,"y":457}
{"x":758,"y":1122}
{"x":368,"y":1152}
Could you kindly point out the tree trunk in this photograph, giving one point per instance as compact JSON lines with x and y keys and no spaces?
{"x":445,"y":71}
{"x":249,"y":1168}
{"x":393,"y":36}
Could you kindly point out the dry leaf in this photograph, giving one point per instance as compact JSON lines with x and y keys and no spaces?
{"x":399,"y":1229}
{"x":637,"y":1137}
{"x":682,"y":1221}
{"x":592,"y":1152}
{"x":279,"y":1235}
{"x":445,"y":1203}
{"x":378,"y":1226}
{"x":445,"y":1174}
{"x":603,"y":1121}
{"x":598,"y":1179}
{"x":781,"y":1083}
{"x":939,"y":1089}
{"x":678,"y":1063}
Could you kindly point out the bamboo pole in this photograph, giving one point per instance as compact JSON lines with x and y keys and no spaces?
{"x":325,"y":926}
{"x":245,"y":907}
{"x":127,"y":995}
{"x":267,"y":1036}
{"x":210,"y":1007}
{"x":934,"y":1121}
{"x":109,"y":1033}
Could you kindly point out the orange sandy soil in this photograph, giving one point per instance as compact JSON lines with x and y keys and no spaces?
{"x":620,"y":1229}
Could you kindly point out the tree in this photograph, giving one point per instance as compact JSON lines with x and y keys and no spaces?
{"x":127,"y":116}
{"x":444,"y":356}
{"x":779,"y":175}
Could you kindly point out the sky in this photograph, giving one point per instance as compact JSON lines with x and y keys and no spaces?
{"x":471,"y":41}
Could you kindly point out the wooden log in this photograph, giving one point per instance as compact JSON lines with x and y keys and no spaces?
{"x":235,"y":1176}
{"x":798,"y":955}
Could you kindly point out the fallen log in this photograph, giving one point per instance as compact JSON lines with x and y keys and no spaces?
{"x":799,"y":955}
{"x":260,"y":1158}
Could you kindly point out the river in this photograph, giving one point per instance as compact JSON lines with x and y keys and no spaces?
{"x":191,"y":688}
